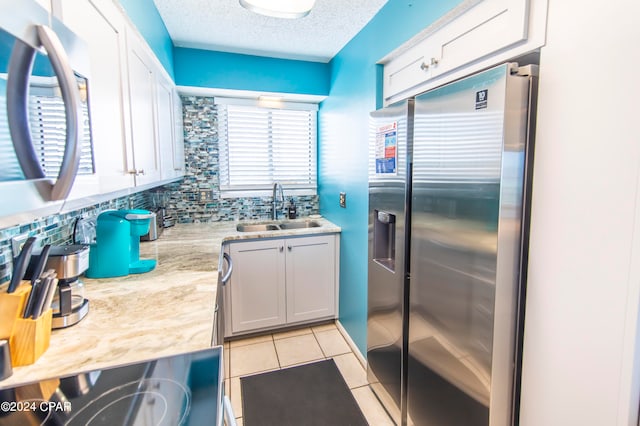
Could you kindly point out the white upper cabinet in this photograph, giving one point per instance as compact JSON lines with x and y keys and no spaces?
{"x":102,"y":27}
{"x":142,"y":98}
{"x":478,"y":32}
{"x":178,"y":141}
{"x":136,"y":121}
{"x":170,"y":128}
{"x":45,"y":3}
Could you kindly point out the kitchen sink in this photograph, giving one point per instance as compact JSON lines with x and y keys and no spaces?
{"x":299,"y":225}
{"x":256,"y":227}
{"x":261,"y":227}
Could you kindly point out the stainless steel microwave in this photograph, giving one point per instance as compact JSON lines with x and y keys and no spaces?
{"x":45,"y":125}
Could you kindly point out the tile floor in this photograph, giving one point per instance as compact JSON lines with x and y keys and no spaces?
{"x":285,"y":349}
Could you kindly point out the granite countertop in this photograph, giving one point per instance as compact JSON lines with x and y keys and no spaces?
{"x":163,"y":312}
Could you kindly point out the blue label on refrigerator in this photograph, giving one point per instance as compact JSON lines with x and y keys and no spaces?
{"x":387,"y":148}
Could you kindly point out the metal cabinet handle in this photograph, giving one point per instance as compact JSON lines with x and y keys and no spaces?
{"x":136,"y":172}
{"x":227,"y":275}
{"x":434,"y":61}
{"x":424,"y":66}
{"x":20,"y":66}
{"x":289,"y":248}
{"x":281,"y":249}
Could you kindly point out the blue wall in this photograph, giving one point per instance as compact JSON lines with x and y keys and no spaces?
{"x":145,"y":16}
{"x":205,"y":68}
{"x":343,"y":148}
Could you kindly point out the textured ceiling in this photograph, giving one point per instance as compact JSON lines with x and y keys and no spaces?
{"x":226,"y":26}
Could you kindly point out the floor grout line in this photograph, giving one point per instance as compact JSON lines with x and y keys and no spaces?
{"x":315,"y":337}
{"x":275,"y":348}
{"x":280,"y":367}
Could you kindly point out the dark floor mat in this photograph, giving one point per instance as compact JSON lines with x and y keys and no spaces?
{"x":310,"y":395}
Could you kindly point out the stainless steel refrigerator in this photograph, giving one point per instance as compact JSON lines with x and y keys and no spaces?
{"x":448,"y":220}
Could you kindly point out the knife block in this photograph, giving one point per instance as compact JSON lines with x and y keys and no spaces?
{"x":39,"y":391}
{"x":11,"y":308}
{"x":30,"y":339}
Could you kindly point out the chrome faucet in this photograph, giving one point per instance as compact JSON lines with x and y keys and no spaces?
{"x":275,"y":201}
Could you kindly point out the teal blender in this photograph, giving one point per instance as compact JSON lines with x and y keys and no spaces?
{"x":116,"y":252}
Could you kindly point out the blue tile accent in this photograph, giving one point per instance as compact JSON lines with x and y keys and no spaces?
{"x":201,"y":173}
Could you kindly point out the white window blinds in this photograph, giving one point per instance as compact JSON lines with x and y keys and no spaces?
{"x":260,"y":146}
{"x":48,"y":132}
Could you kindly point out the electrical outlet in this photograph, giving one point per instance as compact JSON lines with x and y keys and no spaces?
{"x":206,"y":195}
{"x":17,"y":242}
{"x":343,"y":200}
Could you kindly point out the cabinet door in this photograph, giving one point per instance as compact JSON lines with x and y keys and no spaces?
{"x":165,"y":122}
{"x":101,"y":26}
{"x":257,"y":286}
{"x":142,"y":100}
{"x":489,"y":27}
{"x":311,"y":283}
{"x":472,"y":32}
{"x":178,"y":140}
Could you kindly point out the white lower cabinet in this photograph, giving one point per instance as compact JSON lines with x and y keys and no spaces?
{"x":257,"y":286}
{"x":310,"y":278}
{"x":281,"y":282}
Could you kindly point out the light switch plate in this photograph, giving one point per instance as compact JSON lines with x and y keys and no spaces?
{"x":343,"y":200}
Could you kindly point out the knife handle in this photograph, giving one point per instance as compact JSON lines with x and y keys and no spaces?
{"x":38,"y":305}
{"x":42,"y":263}
{"x":20,"y":264}
{"x":51,"y":291}
{"x":28,"y":307}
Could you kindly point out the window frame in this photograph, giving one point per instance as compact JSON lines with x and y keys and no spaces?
{"x":262,"y":190}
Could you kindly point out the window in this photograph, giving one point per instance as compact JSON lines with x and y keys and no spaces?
{"x":260,"y":146}
{"x":47,"y":121}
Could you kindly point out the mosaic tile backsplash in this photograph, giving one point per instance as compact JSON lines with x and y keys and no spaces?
{"x":196,"y":198}
{"x":58,"y":229}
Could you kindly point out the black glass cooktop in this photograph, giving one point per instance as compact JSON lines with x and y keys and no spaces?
{"x":184,"y":389}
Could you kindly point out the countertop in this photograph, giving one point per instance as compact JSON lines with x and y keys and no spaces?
{"x":163,"y":312}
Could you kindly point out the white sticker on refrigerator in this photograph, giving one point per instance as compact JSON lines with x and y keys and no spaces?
{"x":387,"y":149}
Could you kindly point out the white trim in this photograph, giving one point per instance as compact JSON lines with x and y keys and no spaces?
{"x":275,"y":104}
{"x":233,"y":193}
{"x":352,"y":345}
{"x":248,"y":94}
{"x":630,"y":363}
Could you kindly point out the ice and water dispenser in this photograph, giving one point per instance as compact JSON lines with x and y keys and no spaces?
{"x":384,"y":237}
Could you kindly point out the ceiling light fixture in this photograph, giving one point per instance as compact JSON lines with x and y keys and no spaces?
{"x":288,"y":9}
